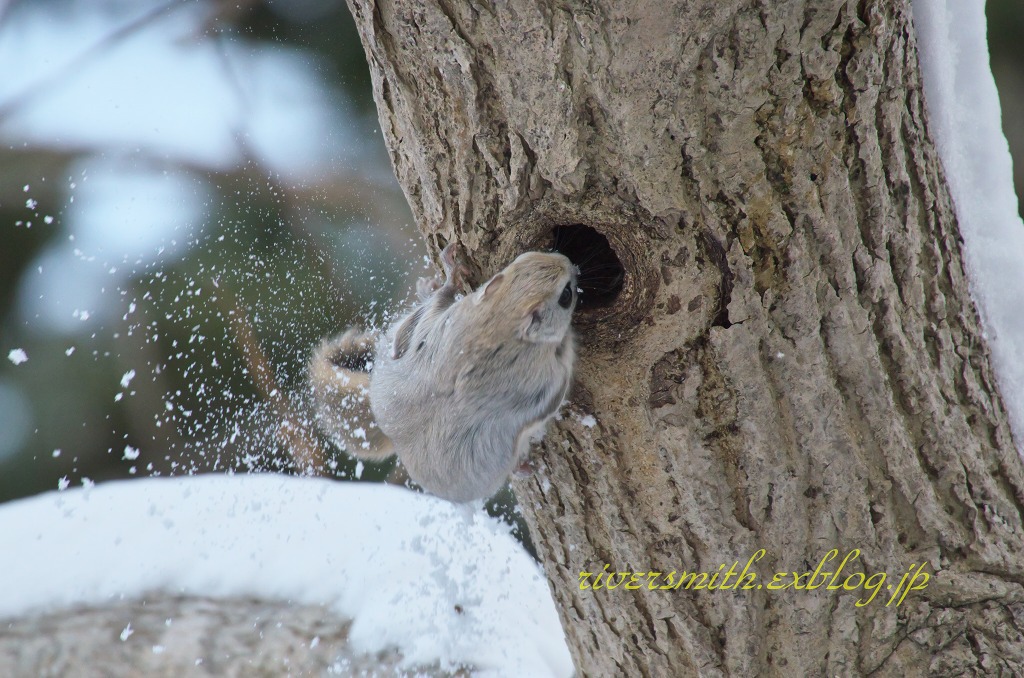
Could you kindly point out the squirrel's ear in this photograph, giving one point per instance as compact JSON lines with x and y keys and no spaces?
{"x":532,"y":323}
{"x":403,"y":335}
{"x":489,"y":288}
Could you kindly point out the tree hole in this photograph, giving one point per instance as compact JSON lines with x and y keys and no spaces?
{"x":601,"y":275}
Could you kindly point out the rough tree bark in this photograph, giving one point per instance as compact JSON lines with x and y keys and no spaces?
{"x":793,"y":362}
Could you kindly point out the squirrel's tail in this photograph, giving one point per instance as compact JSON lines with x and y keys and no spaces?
{"x":340,"y":381}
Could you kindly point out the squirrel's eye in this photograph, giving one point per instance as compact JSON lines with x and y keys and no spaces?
{"x":565,"y":299}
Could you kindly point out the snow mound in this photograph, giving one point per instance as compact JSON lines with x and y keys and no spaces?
{"x":440,"y":582}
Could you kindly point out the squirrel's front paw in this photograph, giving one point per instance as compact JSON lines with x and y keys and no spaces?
{"x":525,"y":469}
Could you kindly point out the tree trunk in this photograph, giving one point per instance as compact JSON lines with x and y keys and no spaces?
{"x":168,"y":637}
{"x":792,"y":363}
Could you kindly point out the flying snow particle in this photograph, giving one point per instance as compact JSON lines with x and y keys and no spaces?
{"x":359,"y":470}
{"x":127,"y":632}
{"x":130,"y":453}
{"x":127,"y":378}
{"x":55,"y":453}
{"x":63,"y":483}
{"x":17,"y":356}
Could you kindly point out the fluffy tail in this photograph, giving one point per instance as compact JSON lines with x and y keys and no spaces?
{"x":339,"y":381}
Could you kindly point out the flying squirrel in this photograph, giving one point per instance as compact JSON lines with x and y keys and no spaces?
{"x":460,"y":385}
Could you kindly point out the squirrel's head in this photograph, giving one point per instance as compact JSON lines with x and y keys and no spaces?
{"x":537,"y":292}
